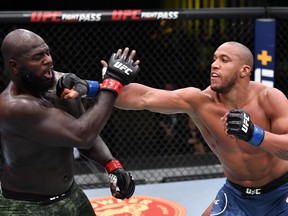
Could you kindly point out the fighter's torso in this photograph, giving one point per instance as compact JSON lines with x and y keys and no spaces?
{"x":242,"y":163}
{"x":30,"y":165}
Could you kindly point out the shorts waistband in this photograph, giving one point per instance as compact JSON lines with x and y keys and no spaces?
{"x":252,"y":191}
{"x":43,"y":199}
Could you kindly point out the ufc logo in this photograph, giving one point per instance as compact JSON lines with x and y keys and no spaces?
{"x":253,"y":192}
{"x":245,"y":125}
{"x":122,"y":67}
{"x":54,"y":16}
{"x":125,"y":14}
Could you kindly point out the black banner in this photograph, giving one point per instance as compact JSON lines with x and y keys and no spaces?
{"x":55,"y":16}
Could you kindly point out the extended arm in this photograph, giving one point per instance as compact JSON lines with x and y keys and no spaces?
{"x":140,"y":97}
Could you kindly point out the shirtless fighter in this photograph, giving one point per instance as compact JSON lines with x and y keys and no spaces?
{"x":243,"y":122}
{"x":37,"y":138}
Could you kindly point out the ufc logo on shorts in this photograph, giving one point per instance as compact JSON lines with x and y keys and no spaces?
{"x":121,"y":66}
{"x":250,"y":191}
{"x":245,"y":125}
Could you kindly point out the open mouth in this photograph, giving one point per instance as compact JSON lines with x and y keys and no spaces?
{"x":214,"y":76}
{"x":49,"y":74}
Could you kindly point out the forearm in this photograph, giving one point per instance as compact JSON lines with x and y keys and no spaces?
{"x":122,"y":185}
{"x":132,"y":97}
{"x":99,"y":152}
{"x":95,"y":118}
{"x":276,"y":144}
{"x":127,"y":99}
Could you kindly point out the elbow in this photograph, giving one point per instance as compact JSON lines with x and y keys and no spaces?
{"x":82,"y":144}
{"x":86,"y":138}
{"x":86,"y":146}
{"x":85,"y":143}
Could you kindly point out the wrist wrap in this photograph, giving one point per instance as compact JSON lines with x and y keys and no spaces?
{"x":257,"y":137}
{"x":112,"y":165}
{"x":112,"y":85}
{"x":93,"y":88}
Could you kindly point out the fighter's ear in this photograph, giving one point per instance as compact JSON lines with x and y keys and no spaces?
{"x":245,"y":71}
{"x":13,"y":66}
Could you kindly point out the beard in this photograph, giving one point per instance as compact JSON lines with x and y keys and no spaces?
{"x":222,"y":89}
{"x":225,"y":88}
{"x":34,"y":84}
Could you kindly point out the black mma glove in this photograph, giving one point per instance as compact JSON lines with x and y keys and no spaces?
{"x":121,"y":179}
{"x":240,"y":125}
{"x":121,"y":71}
{"x":88,"y":88}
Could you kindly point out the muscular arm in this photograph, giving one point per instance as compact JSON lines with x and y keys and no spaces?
{"x":29,"y":118}
{"x":139,"y":97}
{"x":263,"y":124}
{"x":99,"y":152}
{"x":276,"y":140}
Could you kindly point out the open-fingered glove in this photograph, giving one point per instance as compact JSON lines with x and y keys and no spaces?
{"x":121,"y":71}
{"x":240,"y":125}
{"x":122,"y":183}
{"x":70,"y":81}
